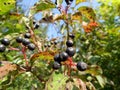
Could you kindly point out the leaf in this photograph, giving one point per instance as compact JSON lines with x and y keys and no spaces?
{"x":77,"y":16}
{"x":59,"y":17}
{"x":88,"y":12}
{"x":6,"y":68}
{"x":90,"y":86}
{"x":94,"y":70}
{"x":43,"y":6}
{"x":56,"y":82}
{"x":79,"y":1}
{"x":80,"y":84}
{"x":43,"y":56}
{"x":101,"y":80}
{"x":6,"y":6}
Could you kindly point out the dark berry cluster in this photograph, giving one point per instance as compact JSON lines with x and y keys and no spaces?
{"x":4,"y":42}
{"x":70,"y":51}
{"x":63,"y":56}
{"x":25,"y":41}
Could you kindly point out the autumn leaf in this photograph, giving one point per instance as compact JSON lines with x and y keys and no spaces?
{"x":77,"y":16}
{"x":6,"y":68}
{"x":88,"y":12}
{"x":43,"y":56}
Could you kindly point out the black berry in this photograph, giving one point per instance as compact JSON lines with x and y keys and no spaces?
{"x":71,"y":35}
{"x":2,"y":48}
{"x":70,"y":51}
{"x":56,"y":65}
{"x":27,"y":35}
{"x":57,"y":58}
{"x":69,"y":43}
{"x":25,"y":41}
{"x":19,"y":39}
{"x":5,"y":41}
{"x":45,"y":45}
{"x":36,"y":26}
{"x":81,"y":66}
{"x":63,"y":56}
{"x":55,"y":42}
{"x":31,"y":46}
{"x":48,"y":44}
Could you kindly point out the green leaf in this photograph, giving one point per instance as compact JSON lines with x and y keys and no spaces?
{"x":56,"y":82}
{"x":101,"y":80}
{"x":43,"y":6}
{"x":6,"y":6}
{"x":88,"y":12}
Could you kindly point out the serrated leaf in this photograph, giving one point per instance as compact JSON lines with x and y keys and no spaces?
{"x":88,"y":12}
{"x":6,"y":6}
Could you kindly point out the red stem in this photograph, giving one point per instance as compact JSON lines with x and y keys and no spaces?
{"x":24,"y":55}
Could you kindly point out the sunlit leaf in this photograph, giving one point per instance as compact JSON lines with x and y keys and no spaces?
{"x":88,"y":12}
{"x":101,"y":80}
{"x":59,"y":17}
{"x":43,"y":6}
{"x":94,"y":70}
{"x":79,"y":1}
{"x":6,"y":6}
{"x":77,"y":16}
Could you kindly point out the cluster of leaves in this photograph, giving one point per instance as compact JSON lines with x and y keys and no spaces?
{"x":24,"y":69}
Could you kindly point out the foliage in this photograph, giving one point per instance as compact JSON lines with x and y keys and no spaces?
{"x":96,"y":43}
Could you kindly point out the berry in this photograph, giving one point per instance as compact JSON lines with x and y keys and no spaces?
{"x":25,"y":41}
{"x":70,"y":51}
{"x":19,"y":39}
{"x":81,"y":66}
{"x":55,"y":42}
{"x":48,"y":44}
{"x":63,"y":56}
{"x":56,"y":65}
{"x":36,"y":26}
{"x":57,"y":58}
{"x":31,"y":46}
{"x":27,"y":35}
{"x":69,"y":43}
{"x":45,"y":45}
{"x":2,"y":48}
{"x":72,"y":36}
{"x":67,"y":2}
{"x":5,"y":41}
